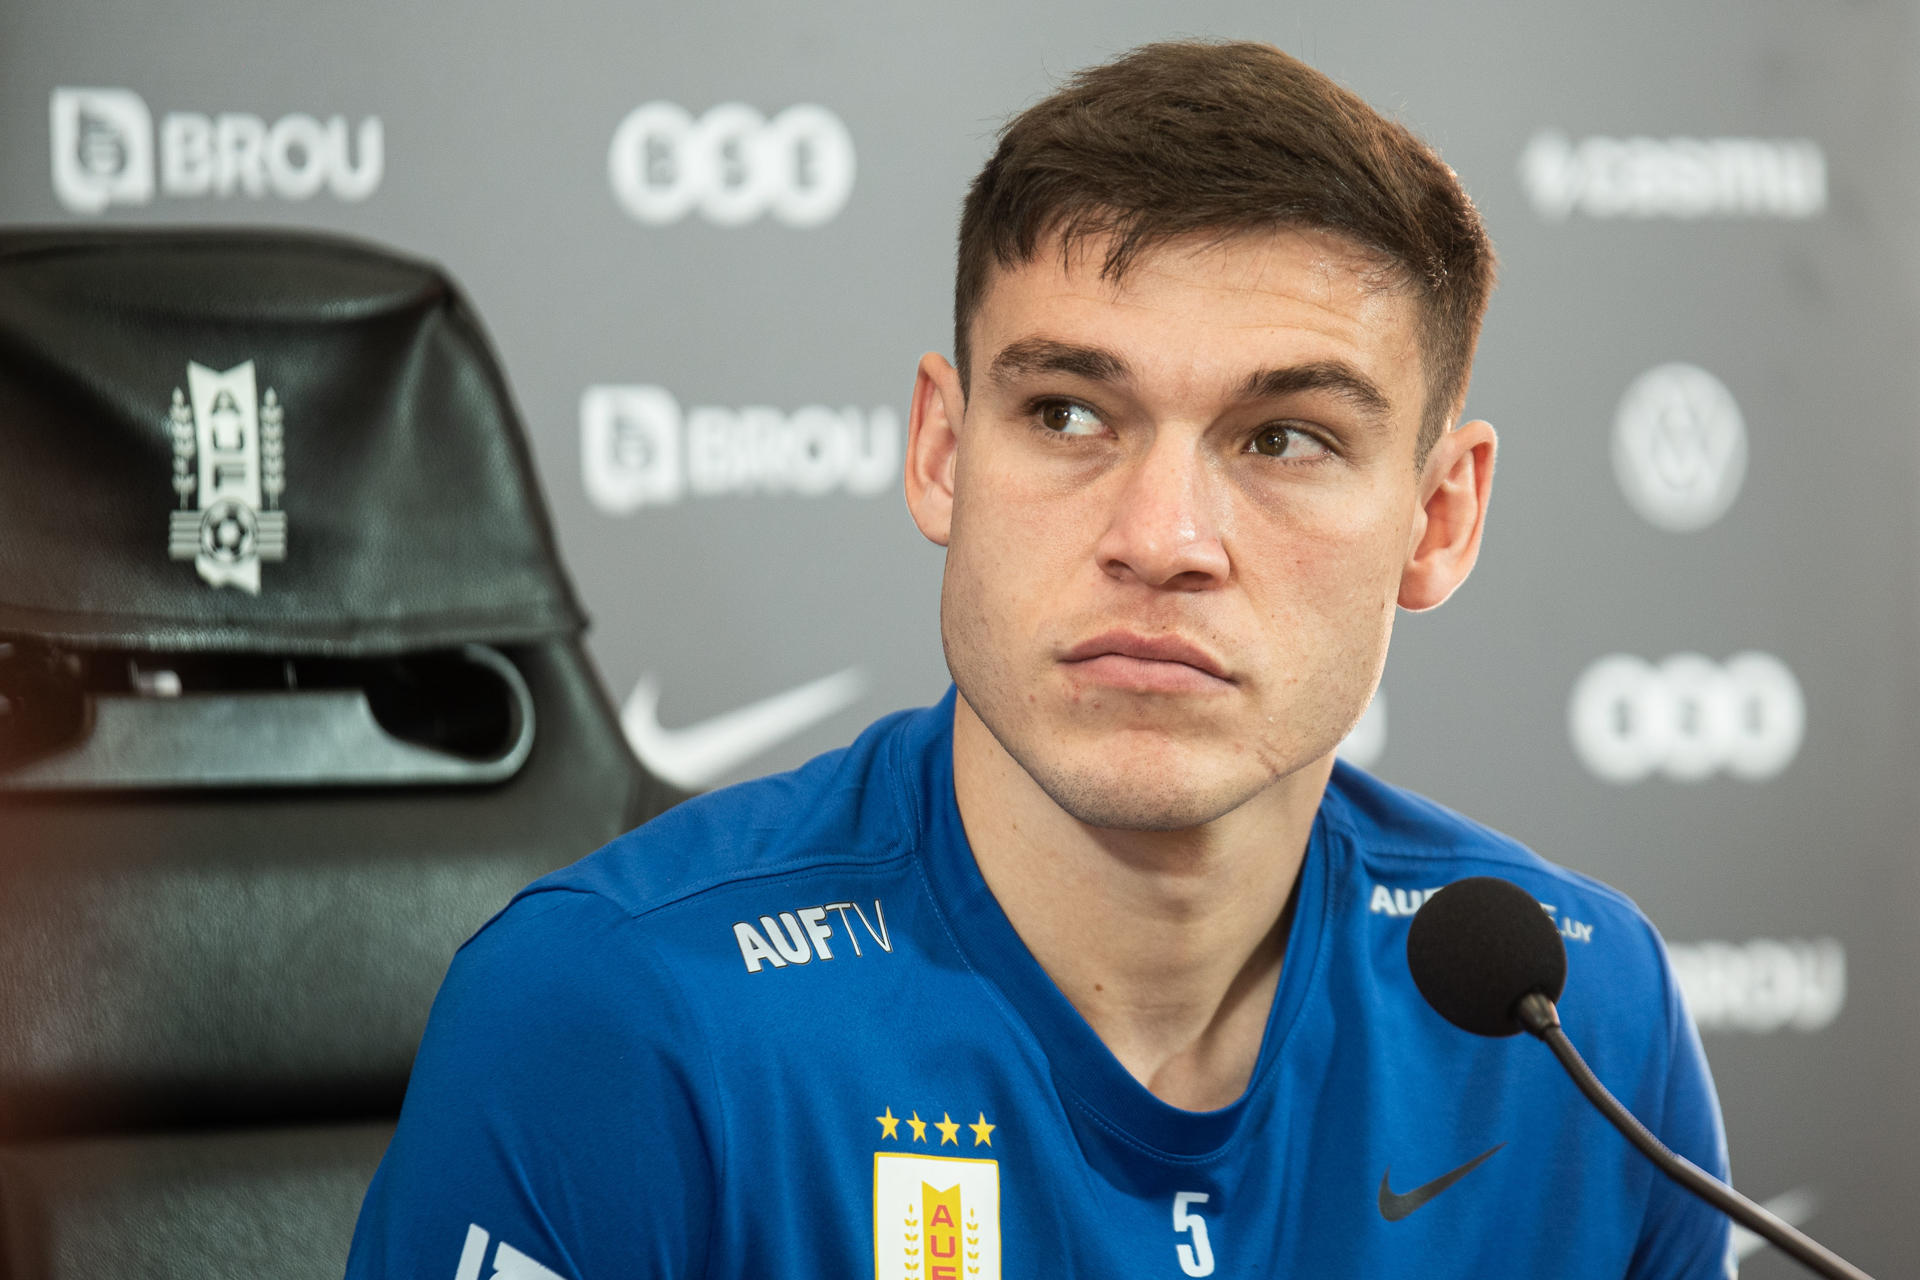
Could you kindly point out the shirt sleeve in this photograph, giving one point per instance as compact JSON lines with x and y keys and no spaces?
{"x":554,"y":1123}
{"x":1682,"y":1236}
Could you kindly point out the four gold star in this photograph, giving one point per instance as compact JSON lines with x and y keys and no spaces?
{"x":949,"y":1128}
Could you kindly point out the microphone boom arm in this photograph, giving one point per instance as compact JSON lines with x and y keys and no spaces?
{"x":1537,"y":1014}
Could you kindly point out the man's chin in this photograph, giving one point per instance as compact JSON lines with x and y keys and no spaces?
{"x":1126,"y":802}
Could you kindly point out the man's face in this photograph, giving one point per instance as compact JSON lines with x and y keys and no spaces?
{"x":1180,"y":511}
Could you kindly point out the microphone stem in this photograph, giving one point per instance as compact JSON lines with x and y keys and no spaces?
{"x":1538,"y":1015}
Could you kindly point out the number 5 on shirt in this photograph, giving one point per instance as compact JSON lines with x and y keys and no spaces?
{"x":1196,"y":1259}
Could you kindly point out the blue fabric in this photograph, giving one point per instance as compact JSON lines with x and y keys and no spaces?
{"x":679,"y":1058}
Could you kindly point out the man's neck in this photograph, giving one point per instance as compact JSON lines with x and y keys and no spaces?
{"x":1169,"y":943}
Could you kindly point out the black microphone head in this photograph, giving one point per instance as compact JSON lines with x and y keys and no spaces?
{"x":1479,"y":945}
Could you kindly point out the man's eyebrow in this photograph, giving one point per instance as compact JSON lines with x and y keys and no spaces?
{"x":1336,"y":376}
{"x":1044,"y":355}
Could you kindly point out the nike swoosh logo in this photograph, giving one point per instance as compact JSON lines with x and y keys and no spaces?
{"x":1793,"y":1208}
{"x":695,"y":756}
{"x":1397,"y":1205}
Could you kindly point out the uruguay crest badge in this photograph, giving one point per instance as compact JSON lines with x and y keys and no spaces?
{"x":935,"y":1217}
{"x":229,"y":452}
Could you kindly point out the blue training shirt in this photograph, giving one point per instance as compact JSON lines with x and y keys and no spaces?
{"x":784,"y":1030}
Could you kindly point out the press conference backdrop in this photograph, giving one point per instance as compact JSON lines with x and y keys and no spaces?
{"x":712,"y":240}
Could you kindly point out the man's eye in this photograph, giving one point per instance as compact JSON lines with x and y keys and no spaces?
{"x":1066,"y":418}
{"x":1286,"y":442}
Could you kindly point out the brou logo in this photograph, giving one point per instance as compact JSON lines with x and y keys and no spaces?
{"x":797,"y":937}
{"x":1762,"y":985}
{"x":104,"y":153}
{"x":1679,"y":447}
{"x":638,"y":449}
{"x":229,"y":452}
{"x":1674,"y":177}
{"x":732,"y":164}
{"x":1689,"y":717}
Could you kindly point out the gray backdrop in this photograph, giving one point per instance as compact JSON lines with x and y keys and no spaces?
{"x":1686,"y":664}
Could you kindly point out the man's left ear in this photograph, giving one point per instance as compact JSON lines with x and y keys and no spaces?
{"x":1455,"y":484}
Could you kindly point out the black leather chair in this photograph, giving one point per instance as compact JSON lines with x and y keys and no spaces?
{"x":292,"y":698}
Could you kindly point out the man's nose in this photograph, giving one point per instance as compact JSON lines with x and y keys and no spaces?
{"x":1168,"y":518}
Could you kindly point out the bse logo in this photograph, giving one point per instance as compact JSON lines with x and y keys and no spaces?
{"x":732,"y":164}
{"x":104,"y":153}
{"x":1674,"y":177}
{"x":1689,"y":718}
{"x":637,"y":449}
{"x":1679,"y":447}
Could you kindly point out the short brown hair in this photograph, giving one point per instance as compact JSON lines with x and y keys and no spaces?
{"x":1201,"y":137}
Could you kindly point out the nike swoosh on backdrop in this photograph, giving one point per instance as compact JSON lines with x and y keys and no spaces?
{"x":1395,"y":1206}
{"x":695,"y":756}
{"x":1791,"y":1207}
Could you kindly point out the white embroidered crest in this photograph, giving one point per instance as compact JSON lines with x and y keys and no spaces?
{"x":230,"y":452}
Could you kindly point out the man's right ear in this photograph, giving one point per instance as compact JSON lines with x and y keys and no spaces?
{"x":933,"y":445}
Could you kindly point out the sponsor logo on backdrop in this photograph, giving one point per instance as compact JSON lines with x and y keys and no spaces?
{"x":639,"y":449}
{"x":731,"y":165}
{"x":1687,"y":718}
{"x":1679,"y":447}
{"x":229,"y":454}
{"x":1674,"y":177}
{"x":1762,"y":985}
{"x":1367,"y":740}
{"x":105,"y":153}
{"x":700,"y":754}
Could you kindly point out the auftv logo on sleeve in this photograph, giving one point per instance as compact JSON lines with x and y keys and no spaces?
{"x":105,"y":153}
{"x":732,"y":165}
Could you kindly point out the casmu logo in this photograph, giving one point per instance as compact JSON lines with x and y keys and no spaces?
{"x":1688,"y":718}
{"x":732,"y":164}
{"x":1674,"y":177}
{"x":103,"y":153}
{"x":1679,"y":447}
{"x":638,"y":449}
{"x":1762,"y":985}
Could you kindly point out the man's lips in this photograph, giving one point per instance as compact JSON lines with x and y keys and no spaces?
{"x":1128,"y":658}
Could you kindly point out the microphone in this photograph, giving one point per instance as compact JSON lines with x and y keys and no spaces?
{"x":1490,"y":961}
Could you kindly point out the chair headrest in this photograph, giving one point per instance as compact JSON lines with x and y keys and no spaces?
{"x":259,"y":441}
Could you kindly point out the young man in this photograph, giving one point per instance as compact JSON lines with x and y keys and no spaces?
{"x":1082,"y":972}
